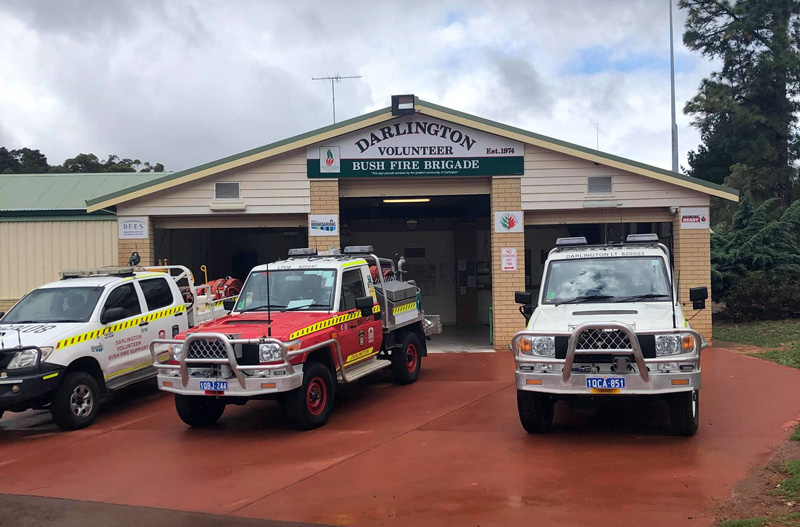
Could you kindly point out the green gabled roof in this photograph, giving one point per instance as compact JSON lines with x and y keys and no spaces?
{"x":29,"y":195}
{"x":423,"y":107}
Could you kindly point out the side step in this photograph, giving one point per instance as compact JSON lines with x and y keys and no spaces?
{"x":356,"y":371}
{"x":130,"y":378}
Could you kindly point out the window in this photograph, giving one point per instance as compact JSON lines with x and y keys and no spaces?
{"x":156,"y":293}
{"x":54,"y":305}
{"x":125,"y":297}
{"x":226,"y":190}
{"x":352,"y":288}
{"x":599,"y":185}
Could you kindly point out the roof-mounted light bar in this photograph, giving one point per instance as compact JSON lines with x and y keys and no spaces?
{"x":642,"y":238}
{"x":99,"y":271}
{"x":571,"y":242}
{"x":302,"y":251}
{"x":358,"y":249}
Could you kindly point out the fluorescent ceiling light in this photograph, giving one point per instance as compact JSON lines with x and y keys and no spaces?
{"x":407,"y":200}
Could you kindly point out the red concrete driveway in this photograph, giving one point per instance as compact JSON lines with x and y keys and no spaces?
{"x":448,"y":450}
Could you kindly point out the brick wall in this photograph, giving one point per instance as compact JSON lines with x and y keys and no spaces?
{"x":5,"y":304}
{"x":507,"y":320}
{"x":692,"y":255}
{"x":145,"y":247}
{"x":324,"y":200}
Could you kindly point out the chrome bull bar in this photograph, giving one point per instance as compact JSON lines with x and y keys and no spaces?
{"x":635,"y":350}
{"x":230,"y":359}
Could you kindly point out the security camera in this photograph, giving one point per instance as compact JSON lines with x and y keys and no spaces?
{"x":673,"y":210}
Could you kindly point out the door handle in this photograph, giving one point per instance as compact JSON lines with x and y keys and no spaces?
{"x":143,"y":323}
{"x":179,"y":313}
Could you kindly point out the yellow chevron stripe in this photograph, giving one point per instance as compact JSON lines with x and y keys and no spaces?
{"x":77,"y":339}
{"x":324,"y":324}
{"x":404,"y":308}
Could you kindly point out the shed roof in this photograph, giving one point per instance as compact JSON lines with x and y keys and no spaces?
{"x":422,"y":107}
{"x":60,"y":193}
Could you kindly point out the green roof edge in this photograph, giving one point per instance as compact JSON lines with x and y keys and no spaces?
{"x":419,"y":102}
{"x":240,"y":155}
{"x":598,"y":153}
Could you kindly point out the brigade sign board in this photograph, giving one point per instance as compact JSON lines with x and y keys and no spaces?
{"x":415,"y":146}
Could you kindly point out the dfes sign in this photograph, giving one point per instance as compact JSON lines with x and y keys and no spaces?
{"x":132,"y":228}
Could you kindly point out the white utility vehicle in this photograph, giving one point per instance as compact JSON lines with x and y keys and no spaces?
{"x":608,"y":324}
{"x":67,"y":344}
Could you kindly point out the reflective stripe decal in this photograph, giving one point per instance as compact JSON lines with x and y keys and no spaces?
{"x":358,"y":262}
{"x":325,"y":324}
{"x":363,"y":354}
{"x":49,"y":376}
{"x":404,"y":308}
{"x":77,"y":339}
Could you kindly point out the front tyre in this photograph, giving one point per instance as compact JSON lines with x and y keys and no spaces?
{"x":535,"y":411}
{"x":684,"y":412}
{"x":199,"y":410}
{"x":407,"y":360}
{"x":310,"y":405}
{"x":76,"y":401}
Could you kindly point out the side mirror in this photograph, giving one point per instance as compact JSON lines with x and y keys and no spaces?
{"x":698,"y":296}
{"x":365,"y":303}
{"x":523,"y":298}
{"x":228,"y":305}
{"x":113,"y":314}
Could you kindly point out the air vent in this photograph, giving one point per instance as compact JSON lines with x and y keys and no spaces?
{"x":599,"y":185}
{"x":226,"y":190}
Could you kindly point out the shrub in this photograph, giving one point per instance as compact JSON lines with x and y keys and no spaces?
{"x":760,"y":295}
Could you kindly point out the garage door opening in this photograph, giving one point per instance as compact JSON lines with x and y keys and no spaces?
{"x":541,"y":239}
{"x":225,"y":252}
{"x":445,"y":241}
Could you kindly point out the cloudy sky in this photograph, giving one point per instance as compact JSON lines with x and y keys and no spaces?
{"x":189,"y":81}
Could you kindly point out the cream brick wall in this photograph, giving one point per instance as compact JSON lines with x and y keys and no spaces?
{"x":507,"y":320}
{"x":324,"y":200}
{"x":6,"y":304}
{"x":692,"y":254}
{"x":145,"y":247}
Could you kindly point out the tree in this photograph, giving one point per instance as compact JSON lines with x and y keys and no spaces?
{"x":22,"y":161}
{"x":746,"y":111}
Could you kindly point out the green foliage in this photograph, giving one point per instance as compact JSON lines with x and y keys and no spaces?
{"x":27,"y":161}
{"x":746,"y":111}
{"x":782,"y":336}
{"x":790,"y":488}
{"x":22,"y":161}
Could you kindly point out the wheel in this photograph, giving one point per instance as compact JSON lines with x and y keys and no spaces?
{"x":310,"y":405}
{"x":75,"y":401}
{"x":199,"y":410}
{"x":684,"y":412}
{"x":535,"y":411}
{"x":407,"y":360}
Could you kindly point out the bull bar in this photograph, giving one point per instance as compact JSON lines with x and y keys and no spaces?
{"x":571,"y":382}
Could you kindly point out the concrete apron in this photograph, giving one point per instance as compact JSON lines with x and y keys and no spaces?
{"x":448,"y":450}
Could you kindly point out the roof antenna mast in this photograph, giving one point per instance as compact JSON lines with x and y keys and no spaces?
{"x":334,"y":79}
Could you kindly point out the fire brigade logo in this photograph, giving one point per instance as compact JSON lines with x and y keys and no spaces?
{"x":510,"y":221}
{"x":371,"y":335}
{"x":329,"y":160}
{"x":361,"y":338}
{"x":162,"y":334}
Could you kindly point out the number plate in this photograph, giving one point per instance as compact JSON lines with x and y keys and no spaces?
{"x":214,"y":386}
{"x":605,"y":383}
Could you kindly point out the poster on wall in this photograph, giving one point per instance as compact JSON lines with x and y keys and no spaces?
{"x":694,"y":218}
{"x":508,"y":257}
{"x":509,"y":221}
{"x":132,"y":227}
{"x":415,"y":146}
{"x":323,"y":225}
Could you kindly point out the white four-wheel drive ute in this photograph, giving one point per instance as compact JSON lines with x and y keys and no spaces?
{"x":608,"y":324}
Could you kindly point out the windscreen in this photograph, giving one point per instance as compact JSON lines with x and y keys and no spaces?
{"x":289,"y":289}
{"x":627,"y":279}
{"x":56,"y":304}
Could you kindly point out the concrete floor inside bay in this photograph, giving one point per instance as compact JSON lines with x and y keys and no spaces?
{"x":448,"y":450}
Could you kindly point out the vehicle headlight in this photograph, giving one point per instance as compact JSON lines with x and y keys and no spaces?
{"x":674,"y":344}
{"x":542,"y":346}
{"x":23,"y":359}
{"x":269,"y":352}
{"x":176,"y":352}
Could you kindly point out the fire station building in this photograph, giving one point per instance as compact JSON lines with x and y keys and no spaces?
{"x":473,"y":205}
